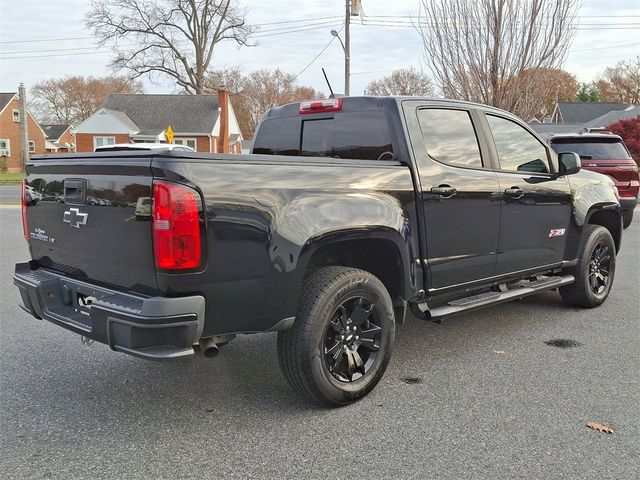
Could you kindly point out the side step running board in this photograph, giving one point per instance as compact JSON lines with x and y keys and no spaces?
{"x":524,"y":289}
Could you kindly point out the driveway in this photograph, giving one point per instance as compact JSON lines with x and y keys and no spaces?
{"x":449,"y":406}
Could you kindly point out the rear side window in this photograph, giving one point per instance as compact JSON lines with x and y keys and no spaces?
{"x":354,"y":135}
{"x":450,"y":137}
{"x":593,"y":149}
{"x":518,"y":150}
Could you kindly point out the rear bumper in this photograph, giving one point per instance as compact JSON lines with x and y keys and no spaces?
{"x":156,"y":328}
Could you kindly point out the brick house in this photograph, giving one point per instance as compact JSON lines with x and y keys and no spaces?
{"x":10,"y":149}
{"x":59,"y":138}
{"x":196,"y":121}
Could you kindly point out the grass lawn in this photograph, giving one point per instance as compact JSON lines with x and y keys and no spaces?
{"x":11,"y":177}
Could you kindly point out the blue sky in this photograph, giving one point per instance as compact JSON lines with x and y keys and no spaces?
{"x":375,"y":51}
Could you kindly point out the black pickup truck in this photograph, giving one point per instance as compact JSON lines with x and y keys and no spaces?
{"x":347,"y":213}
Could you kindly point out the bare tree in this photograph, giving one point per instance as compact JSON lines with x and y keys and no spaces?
{"x":405,"y":81}
{"x":478,"y":50}
{"x":621,"y":83}
{"x":257,"y":92}
{"x":176,"y":38}
{"x":542,"y":88}
{"x":70,"y":100}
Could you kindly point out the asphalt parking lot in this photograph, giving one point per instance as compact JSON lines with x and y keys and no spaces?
{"x":448,"y":406}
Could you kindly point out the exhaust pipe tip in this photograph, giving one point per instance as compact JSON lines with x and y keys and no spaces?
{"x":212,"y":351}
{"x":209,"y":347}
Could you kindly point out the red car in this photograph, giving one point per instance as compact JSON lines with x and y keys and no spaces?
{"x":606,"y":153}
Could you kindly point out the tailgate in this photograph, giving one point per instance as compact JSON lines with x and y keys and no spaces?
{"x":93,"y":221}
{"x":623,"y":172}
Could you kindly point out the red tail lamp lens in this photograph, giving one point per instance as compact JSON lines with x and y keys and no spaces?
{"x":176,"y":227}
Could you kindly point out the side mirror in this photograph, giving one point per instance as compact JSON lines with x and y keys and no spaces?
{"x":569,"y":163}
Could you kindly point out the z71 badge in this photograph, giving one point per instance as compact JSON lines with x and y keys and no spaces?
{"x":556,"y":232}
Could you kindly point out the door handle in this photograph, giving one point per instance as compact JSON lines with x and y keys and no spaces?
{"x":445,"y":191}
{"x":515,"y":192}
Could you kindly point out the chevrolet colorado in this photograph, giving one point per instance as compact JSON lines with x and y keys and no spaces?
{"x":347,"y":212}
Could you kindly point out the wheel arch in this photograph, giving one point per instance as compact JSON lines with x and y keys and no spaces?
{"x":609,"y":218}
{"x":380,"y":251}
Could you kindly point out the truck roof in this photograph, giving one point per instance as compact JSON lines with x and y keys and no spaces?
{"x":369,"y":101}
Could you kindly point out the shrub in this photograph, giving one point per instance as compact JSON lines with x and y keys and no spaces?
{"x":629,"y":130}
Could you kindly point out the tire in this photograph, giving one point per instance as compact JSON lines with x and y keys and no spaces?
{"x":597,"y":258}
{"x":322,"y":356}
{"x":627,"y":218}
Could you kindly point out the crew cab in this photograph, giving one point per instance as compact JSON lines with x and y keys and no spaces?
{"x":348,"y":212}
{"x":603,"y":152}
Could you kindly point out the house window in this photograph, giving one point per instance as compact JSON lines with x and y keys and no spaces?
{"x":16,"y":115}
{"x":32,"y":146}
{"x":187,"y":142}
{"x":5,"y":147}
{"x":103,"y":141}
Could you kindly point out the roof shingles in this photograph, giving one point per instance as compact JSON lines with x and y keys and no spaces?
{"x":5,"y":97}
{"x":152,"y":113}
{"x":581,"y":112}
{"x":54,"y":132}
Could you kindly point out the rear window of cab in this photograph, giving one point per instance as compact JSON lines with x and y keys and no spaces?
{"x":353,"y":135}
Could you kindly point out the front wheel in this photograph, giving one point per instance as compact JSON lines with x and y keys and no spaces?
{"x":594,"y":271}
{"x":341,"y":341}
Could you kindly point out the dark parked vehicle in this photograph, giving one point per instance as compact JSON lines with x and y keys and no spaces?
{"x":605,"y":153}
{"x":348,"y":212}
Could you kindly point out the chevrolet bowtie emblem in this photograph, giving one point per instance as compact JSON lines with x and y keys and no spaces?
{"x":75,"y":218}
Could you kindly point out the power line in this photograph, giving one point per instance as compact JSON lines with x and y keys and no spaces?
{"x":604,"y":48}
{"x":260,"y":32}
{"x":46,"y":40}
{"x":17,"y":55}
{"x":319,"y":55}
{"x":447,"y":16}
{"x":51,"y":50}
{"x":296,"y":31}
{"x":399,"y":24}
{"x":300,"y":23}
{"x":57,"y":55}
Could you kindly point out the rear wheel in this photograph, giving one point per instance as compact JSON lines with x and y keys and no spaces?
{"x":341,"y":342}
{"x":627,"y":218}
{"x":594,"y":271}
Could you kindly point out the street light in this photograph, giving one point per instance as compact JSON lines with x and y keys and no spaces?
{"x":346,"y":62}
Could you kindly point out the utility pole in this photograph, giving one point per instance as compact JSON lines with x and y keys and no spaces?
{"x":24,"y":131}
{"x":347,"y":47}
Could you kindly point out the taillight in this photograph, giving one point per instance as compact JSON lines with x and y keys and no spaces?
{"x":332,"y":105}
{"x":23,"y":203}
{"x":176,"y":226}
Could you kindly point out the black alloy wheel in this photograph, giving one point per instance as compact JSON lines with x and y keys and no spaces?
{"x":352,"y":339}
{"x":599,"y":268}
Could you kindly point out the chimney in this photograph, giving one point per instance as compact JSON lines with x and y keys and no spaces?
{"x":24,"y":132}
{"x":223,"y":105}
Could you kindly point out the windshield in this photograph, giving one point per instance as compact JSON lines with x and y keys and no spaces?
{"x":592,"y":149}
